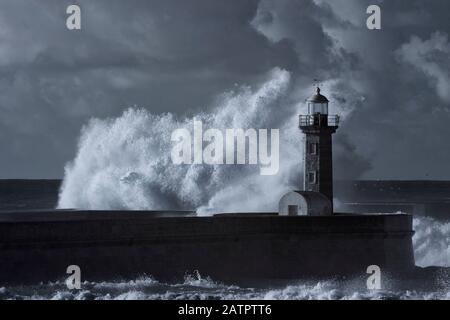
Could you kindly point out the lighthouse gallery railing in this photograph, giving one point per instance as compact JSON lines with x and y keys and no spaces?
{"x":312,"y":120}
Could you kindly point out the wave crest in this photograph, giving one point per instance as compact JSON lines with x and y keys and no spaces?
{"x":124,"y":163}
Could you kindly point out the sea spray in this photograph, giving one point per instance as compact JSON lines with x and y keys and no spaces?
{"x":125,"y":163}
{"x":431,"y":242}
{"x":195,"y":287}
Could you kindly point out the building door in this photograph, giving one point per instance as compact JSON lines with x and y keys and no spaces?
{"x":292,"y":210}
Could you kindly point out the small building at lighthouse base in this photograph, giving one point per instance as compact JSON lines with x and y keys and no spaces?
{"x":304,"y":203}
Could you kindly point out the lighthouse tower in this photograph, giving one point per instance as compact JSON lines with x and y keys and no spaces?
{"x":318,"y":127}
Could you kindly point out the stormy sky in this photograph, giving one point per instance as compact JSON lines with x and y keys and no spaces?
{"x":392,"y":86}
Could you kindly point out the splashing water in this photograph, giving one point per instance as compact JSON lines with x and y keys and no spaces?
{"x":431,"y":242}
{"x":195,"y":287}
{"x":125,"y":163}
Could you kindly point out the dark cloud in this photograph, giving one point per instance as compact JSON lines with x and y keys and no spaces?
{"x":167,"y":56}
{"x":403,"y":79}
{"x":392,"y":86}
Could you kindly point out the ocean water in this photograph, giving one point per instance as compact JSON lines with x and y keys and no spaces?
{"x":198,"y":288}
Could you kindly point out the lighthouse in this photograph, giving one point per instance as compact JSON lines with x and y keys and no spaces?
{"x":316,"y":198}
{"x":318,"y":127}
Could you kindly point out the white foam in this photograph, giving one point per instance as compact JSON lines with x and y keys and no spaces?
{"x":431,"y":242}
{"x":125,"y":163}
{"x":192,"y":289}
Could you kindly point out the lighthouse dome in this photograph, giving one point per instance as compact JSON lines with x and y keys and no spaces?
{"x":318,"y":98}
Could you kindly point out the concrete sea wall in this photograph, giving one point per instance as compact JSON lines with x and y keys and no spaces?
{"x":39,"y":246}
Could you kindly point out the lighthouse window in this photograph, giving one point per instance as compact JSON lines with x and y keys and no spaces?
{"x":312,"y":148}
{"x":314,"y":108}
{"x":312,"y":177}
